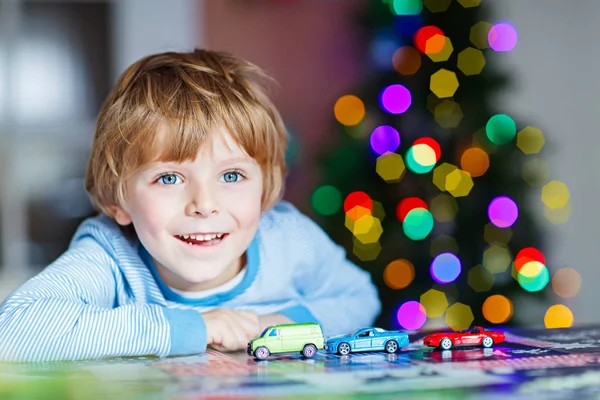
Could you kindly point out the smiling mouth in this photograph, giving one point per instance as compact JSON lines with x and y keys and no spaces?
{"x":202,"y":240}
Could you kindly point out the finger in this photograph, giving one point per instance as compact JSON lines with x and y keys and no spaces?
{"x":235,"y":335}
{"x":249,"y":322}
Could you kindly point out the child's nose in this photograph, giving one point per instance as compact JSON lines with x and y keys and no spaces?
{"x":202,"y":203}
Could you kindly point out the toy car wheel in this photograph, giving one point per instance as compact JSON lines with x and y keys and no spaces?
{"x":487,"y":342}
{"x":309,"y":351}
{"x":391,"y":346}
{"x":343,"y":349}
{"x":262,"y":353}
{"x":446,"y":344}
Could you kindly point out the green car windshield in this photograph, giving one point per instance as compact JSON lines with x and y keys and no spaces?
{"x":265,"y":331}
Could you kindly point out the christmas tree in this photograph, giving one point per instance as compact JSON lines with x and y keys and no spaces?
{"x":428,"y":185}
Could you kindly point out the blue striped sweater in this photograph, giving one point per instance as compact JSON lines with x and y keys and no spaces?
{"x":104,"y":298}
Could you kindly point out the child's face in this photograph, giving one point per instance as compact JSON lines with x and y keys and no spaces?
{"x":216,"y":194}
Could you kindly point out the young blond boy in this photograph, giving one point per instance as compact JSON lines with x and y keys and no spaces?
{"x":193,"y":247}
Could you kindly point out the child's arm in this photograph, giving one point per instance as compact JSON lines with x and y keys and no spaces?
{"x":334,"y":291}
{"x":68,"y":312}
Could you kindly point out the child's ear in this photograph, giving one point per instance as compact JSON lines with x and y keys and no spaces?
{"x":120,"y":215}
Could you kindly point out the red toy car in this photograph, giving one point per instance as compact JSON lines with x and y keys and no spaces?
{"x":476,"y":336}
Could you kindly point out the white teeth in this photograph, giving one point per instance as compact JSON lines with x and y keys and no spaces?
{"x":202,"y":237}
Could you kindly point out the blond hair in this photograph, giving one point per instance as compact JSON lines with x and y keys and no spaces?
{"x":191,"y":94}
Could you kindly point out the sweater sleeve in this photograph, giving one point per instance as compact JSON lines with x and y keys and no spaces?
{"x":334,"y":291}
{"x":67,"y":312}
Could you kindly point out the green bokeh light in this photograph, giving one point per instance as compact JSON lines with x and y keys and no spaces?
{"x":418,"y":224}
{"x":414,"y":166}
{"x":534,"y":283}
{"x":501,"y":129}
{"x":326,"y":200}
{"x":407,"y":7}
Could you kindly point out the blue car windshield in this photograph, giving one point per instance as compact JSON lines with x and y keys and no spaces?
{"x":265,"y":331}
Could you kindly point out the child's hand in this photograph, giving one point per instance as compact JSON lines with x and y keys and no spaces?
{"x":230,"y":330}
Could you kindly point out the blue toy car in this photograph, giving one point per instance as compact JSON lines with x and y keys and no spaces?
{"x":367,"y":339}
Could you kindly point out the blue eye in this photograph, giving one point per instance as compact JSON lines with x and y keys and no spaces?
{"x":232,"y":177}
{"x":169,"y":179}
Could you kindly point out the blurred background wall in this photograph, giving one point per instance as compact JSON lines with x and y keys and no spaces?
{"x":58,"y":60}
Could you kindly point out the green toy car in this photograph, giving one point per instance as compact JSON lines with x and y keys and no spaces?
{"x":304,"y":338}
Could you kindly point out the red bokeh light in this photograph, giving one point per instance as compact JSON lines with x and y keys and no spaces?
{"x":424,"y":34}
{"x":358,"y":199}
{"x":431,"y":143}
{"x":408,"y":204}
{"x":527,"y":255}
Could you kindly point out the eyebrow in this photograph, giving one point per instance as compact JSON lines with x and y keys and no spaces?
{"x":233,"y":160}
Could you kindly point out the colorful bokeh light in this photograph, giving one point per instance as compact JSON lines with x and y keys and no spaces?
{"x":385,"y":139}
{"x":445,"y":268}
{"x":502,"y":37}
{"x":424,"y":34}
{"x":497,"y":309}
{"x":412,"y":315}
{"x":349,"y":110}
{"x":503,"y":212}
{"x":475,"y":161}
{"x":420,"y":158}
{"x":500,"y":129}
{"x":558,"y":316}
{"x":355,"y":199}
{"x":533,"y":277}
{"x":399,"y":274}
{"x":406,"y":60}
{"x":528,"y":255}
{"x":326,"y":200}
{"x":418,"y":224}
{"x":435,"y":146}
{"x":408,"y":204}
{"x":406,"y":7}
{"x":395,"y":99}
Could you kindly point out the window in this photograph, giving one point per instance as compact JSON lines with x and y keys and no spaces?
{"x":366,"y":334}
{"x":274,"y":332}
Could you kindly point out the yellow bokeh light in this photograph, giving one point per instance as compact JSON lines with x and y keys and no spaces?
{"x":480,"y":279}
{"x":390,"y":166}
{"x":470,"y":61}
{"x":436,"y":6}
{"x":497,"y":309}
{"x":424,"y":155}
{"x":475,"y":161}
{"x":443,"y":244}
{"x":353,"y":215}
{"x":435,"y":303}
{"x":440,"y":173}
{"x":496,"y":259}
{"x":443,"y":208}
{"x":399,"y":274}
{"x":369,"y":231}
{"x":566,"y":282}
{"x":536,"y":172}
{"x":366,"y":252}
{"x":349,"y":110}
{"x":558,"y":216}
{"x":459,"y":183}
{"x":448,"y":113}
{"x":479,"y":34}
{"x":469,"y":3}
{"x":459,"y":316}
{"x":530,"y":140}
{"x":360,"y":225}
{"x":443,"y":83}
{"x":555,"y":195}
{"x":432,"y":102}
{"x":378,"y":211}
{"x":494,"y":235}
{"x":445,"y":45}
{"x":558,"y":316}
